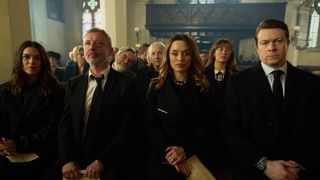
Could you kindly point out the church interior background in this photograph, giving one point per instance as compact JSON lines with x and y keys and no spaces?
{"x":59,"y":24}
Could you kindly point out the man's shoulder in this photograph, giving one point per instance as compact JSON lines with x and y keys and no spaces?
{"x":248,"y":73}
{"x":122,"y":78}
{"x":302,"y":73}
{"x":81,"y":77}
{"x":4,"y":86}
{"x":131,"y":74}
{"x":77,"y":80}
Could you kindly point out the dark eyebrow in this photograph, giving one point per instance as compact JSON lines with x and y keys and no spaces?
{"x":181,"y":51}
{"x":26,"y":54}
{"x":272,"y":39}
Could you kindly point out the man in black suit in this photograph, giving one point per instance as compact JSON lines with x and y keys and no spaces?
{"x":94,"y":138}
{"x":273,"y":137}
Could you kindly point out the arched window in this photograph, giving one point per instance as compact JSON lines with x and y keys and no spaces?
{"x":314,"y":26}
{"x":91,"y":16}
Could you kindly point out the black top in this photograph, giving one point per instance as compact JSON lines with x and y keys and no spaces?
{"x":31,"y":121}
{"x":176,"y":115}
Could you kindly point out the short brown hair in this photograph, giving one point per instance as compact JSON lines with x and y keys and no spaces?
{"x":272,"y":24}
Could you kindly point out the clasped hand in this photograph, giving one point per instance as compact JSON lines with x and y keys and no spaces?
{"x":280,"y":169}
{"x":7,"y":147}
{"x":71,"y":170}
{"x":177,"y":157}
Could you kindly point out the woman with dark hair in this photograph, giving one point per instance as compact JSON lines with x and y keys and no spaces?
{"x":176,"y":111}
{"x":30,"y":106}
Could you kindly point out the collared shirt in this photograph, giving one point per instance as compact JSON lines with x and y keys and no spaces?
{"x":92,"y":84}
{"x":216,"y":71}
{"x":268,"y":72}
{"x":219,"y":75}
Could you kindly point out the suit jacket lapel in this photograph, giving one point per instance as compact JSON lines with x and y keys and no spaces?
{"x":108,"y":88}
{"x":292,"y":87}
{"x":210,"y":73}
{"x":111,"y":80}
{"x":262,"y":83}
{"x":266,"y":95}
{"x":79,"y":102}
{"x":171,"y":102}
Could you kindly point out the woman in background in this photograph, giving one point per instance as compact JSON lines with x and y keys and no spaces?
{"x":56,"y":70}
{"x":78,"y":68}
{"x":221,"y":64}
{"x":176,"y":111}
{"x":30,"y":106}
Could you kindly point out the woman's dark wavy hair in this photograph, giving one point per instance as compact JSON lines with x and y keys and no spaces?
{"x":196,"y":68}
{"x":47,"y":82}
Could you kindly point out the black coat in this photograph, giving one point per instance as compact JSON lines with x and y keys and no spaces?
{"x":251,"y":122}
{"x":73,"y":70}
{"x":107,"y":137}
{"x":31,"y":121}
{"x":217,"y":88}
{"x":175,"y":116}
{"x":60,"y":74}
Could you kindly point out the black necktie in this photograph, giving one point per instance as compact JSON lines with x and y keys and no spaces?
{"x":277,"y":87}
{"x":285,"y":140}
{"x":95,"y":105}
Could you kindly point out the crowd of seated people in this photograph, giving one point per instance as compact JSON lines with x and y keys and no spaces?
{"x":121,"y":113}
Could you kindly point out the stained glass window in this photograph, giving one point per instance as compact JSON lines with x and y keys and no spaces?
{"x":314,"y":29}
{"x":91,"y":16}
{"x":97,"y":18}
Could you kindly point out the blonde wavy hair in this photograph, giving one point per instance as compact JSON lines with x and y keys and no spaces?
{"x":77,"y":50}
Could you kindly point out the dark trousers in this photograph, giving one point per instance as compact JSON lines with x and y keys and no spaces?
{"x":28,"y":170}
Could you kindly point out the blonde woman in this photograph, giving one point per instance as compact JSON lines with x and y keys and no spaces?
{"x":78,"y":68}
